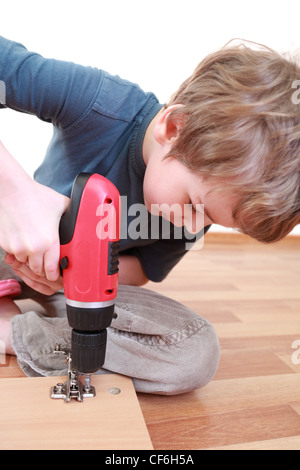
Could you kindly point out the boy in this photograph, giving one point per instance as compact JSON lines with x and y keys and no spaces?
{"x":228,"y":140}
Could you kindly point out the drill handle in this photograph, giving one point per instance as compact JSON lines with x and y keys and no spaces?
{"x":68,"y":220}
{"x":89,"y":252}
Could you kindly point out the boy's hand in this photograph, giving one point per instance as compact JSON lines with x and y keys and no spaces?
{"x":30,"y":216}
{"x":36,"y":282}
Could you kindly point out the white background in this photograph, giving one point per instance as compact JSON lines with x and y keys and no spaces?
{"x":155,"y":43}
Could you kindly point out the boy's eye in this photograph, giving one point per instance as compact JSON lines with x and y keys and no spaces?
{"x":193,"y":207}
{"x":191,"y":204}
{"x":202,"y":211}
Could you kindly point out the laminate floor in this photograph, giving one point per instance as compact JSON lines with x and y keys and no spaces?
{"x":251,"y":294}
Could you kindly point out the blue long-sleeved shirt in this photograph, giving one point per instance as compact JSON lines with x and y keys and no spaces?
{"x":99,"y":122}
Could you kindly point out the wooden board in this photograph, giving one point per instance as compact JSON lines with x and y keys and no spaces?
{"x":30,"y":419}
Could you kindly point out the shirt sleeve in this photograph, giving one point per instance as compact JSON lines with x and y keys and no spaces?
{"x":53,"y":90}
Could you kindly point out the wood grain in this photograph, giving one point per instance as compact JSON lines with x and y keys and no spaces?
{"x":31,"y":420}
{"x":251,"y":294}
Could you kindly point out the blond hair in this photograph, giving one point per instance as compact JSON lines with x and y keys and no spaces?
{"x":241,"y":128}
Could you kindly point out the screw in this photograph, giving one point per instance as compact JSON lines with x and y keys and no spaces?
{"x":114,"y":390}
{"x":87,"y":383}
{"x":59,"y":388}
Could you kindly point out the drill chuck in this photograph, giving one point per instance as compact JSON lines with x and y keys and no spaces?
{"x":88,"y":350}
{"x":89,"y":335}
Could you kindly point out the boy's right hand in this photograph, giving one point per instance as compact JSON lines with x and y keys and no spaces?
{"x":30,"y":215}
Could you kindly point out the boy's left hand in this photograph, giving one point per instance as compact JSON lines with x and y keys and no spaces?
{"x":37,"y":282}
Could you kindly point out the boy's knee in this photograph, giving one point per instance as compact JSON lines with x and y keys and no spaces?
{"x":208,"y":357}
{"x":199,"y":363}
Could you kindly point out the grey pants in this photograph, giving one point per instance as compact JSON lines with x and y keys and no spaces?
{"x":162,"y":345}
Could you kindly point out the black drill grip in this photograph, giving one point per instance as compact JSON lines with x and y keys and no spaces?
{"x":88,"y":350}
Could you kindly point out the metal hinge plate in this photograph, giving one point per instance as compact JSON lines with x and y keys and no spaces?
{"x":72,"y":388}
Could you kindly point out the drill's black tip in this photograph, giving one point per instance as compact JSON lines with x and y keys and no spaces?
{"x":88,"y":350}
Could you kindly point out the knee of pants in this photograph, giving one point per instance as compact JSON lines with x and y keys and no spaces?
{"x":199,"y":364}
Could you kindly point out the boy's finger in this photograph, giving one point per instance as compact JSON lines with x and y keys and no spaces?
{"x":24,"y":269}
{"x":22,"y":258}
{"x":12,"y":261}
{"x":36,"y":264}
{"x":51,"y":264}
{"x":35,"y":284}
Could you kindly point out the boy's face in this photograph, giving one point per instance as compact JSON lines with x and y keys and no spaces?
{"x":172,"y":191}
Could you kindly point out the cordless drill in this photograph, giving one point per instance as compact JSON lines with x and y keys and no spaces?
{"x":89,"y":238}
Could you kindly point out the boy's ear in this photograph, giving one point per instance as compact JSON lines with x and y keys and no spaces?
{"x":168,"y":126}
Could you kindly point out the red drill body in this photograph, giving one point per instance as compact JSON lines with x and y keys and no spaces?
{"x":89,"y":236}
